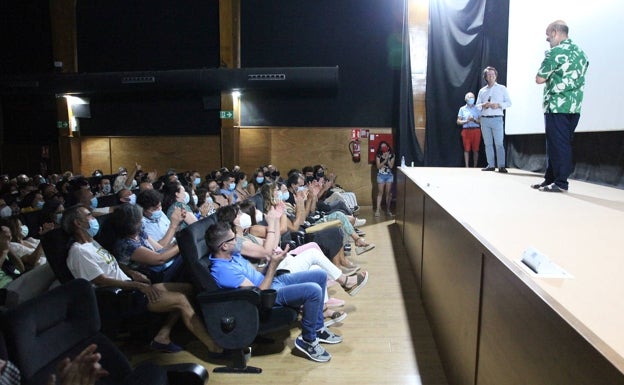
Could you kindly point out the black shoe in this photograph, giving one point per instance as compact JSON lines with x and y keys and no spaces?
{"x":539,"y":185}
{"x":553,"y":188}
{"x":502,"y":170}
{"x":488,"y":169}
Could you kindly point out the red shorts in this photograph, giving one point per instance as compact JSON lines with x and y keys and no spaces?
{"x":471,"y":137}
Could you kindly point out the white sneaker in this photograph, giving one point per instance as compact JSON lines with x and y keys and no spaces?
{"x":359,"y":222}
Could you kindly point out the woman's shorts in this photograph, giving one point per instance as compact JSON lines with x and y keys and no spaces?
{"x":385,"y":178}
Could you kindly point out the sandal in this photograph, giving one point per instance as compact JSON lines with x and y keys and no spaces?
{"x":333,"y":317}
{"x":362,"y":279}
{"x":361,"y":242}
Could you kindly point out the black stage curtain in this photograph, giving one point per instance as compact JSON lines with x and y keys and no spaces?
{"x":598,"y":156}
{"x":406,"y":143}
{"x":462,"y":42}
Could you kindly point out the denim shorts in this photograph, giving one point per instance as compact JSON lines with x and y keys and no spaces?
{"x":385,"y":178}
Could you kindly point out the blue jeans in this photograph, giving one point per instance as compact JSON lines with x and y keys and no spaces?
{"x":559,"y":133}
{"x":304,"y":288}
{"x":493,"y":135}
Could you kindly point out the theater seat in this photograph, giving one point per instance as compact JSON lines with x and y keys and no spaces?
{"x":61,"y":323}
{"x":233,"y":317}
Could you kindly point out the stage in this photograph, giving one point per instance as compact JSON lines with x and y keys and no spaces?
{"x":494,"y":319}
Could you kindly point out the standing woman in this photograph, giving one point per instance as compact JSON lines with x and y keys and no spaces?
{"x":385,"y":164}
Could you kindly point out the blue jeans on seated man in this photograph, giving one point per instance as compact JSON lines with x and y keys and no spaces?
{"x":305,"y":288}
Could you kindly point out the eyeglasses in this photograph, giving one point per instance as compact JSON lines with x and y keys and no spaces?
{"x":227,"y":241}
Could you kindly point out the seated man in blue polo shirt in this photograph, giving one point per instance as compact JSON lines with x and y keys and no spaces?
{"x":303,"y":289}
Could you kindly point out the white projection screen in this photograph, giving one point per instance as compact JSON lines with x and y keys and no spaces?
{"x":596,"y":26}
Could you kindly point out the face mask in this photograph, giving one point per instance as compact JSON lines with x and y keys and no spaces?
{"x":320,"y":174}
{"x":244,"y":184}
{"x":24,"y":231}
{"x":187,"y":198}
{"x":245,"y":221}
{"x":195,"y":199}
{"x":40,"y":205}
{"x":309,"y":179}
{"x":58,"y":217}
{"x":209,"y":200}
{"x":259,"y":216}
{"x":300,"y":188}
{"x":132,"y":200}
{"x":157,"y":214}
{"x":94,"y":202}
{"x":260,"y":179}
{"x":197,"y":181}
{"x":6,"y":212}
{"x":232,"y":186}
{"x":470,"y":101}
{"x":94,"y":227}
{"x":106,"y":189}
{"x":284,"y":195}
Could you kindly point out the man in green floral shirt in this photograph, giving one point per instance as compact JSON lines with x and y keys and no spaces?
{"x":563,"y":72}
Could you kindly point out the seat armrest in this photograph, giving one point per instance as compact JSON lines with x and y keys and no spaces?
{"x":251,"y":295}
{"x":186,"y":374}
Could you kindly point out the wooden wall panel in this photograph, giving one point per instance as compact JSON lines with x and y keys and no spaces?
{"x":451,"y":284}
{"x":160,"y":153}
{"x":523,"y":340}
{"x":255,"y":149}
{"x":95,"y":155}
{"x":298,"y":147}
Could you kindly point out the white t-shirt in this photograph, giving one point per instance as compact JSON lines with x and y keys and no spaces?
{"x":19,"y":250}
{"x":90,"y":260}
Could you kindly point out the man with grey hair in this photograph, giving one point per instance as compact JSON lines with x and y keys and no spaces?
{"x":563,"y":73}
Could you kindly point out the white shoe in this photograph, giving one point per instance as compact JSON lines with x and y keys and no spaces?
{"x":359,"y":222}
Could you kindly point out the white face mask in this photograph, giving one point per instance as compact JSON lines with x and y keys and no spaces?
{"x":195,"y":199}
{"x":24,"y":231}
{"x":259,"y":216}
{"x":6,"y":212}
{"x":245,"y":221}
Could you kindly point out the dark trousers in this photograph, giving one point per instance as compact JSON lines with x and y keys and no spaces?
{"x":559,"y":134}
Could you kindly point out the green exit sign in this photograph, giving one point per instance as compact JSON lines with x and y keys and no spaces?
{"x":227,"y":114}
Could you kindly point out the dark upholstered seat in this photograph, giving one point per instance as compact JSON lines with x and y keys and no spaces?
{"x":233,"y":317}
{"x":61,"y":323}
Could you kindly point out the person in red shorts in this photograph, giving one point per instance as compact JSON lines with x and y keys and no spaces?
{"x":468,"y":118}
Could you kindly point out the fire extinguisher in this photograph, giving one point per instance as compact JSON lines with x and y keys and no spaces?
{"x":354,"y":148}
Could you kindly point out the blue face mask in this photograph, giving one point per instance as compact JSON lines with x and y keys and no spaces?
{"x":284,"y":195}
{"x":106,"y":189}
{"x":94,"y":227}
{"x":94,"y":202}
{"x":40,"y":204}
{"x":244,"y":184}
{"x":58,"y":217}
{"x":300,"y":188}
{"x":156,"y":215}
{"x":24,"y":230}
{"x":187,"y":198}
{"x":197,"y":181}
{"x":132,"y":200}
{"x":260,"y":179}
{"x":470,"y":101}
{"x":232,"y":186}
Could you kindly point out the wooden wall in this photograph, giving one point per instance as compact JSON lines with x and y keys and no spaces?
{"x":201,"y":153}
{"x":284,"y":147}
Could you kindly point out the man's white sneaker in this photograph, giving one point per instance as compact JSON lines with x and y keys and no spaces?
{"x":359,"y":222}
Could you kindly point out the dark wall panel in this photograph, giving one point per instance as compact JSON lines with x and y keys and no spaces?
{"x":360,"y":36}
{"x":118,"y":35}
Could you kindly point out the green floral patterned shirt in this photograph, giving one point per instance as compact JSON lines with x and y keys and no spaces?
{"x":564,"y":67}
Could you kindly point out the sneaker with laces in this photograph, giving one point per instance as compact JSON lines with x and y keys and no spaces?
{"x":326,"y":336}
{"x":312,"y":349}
